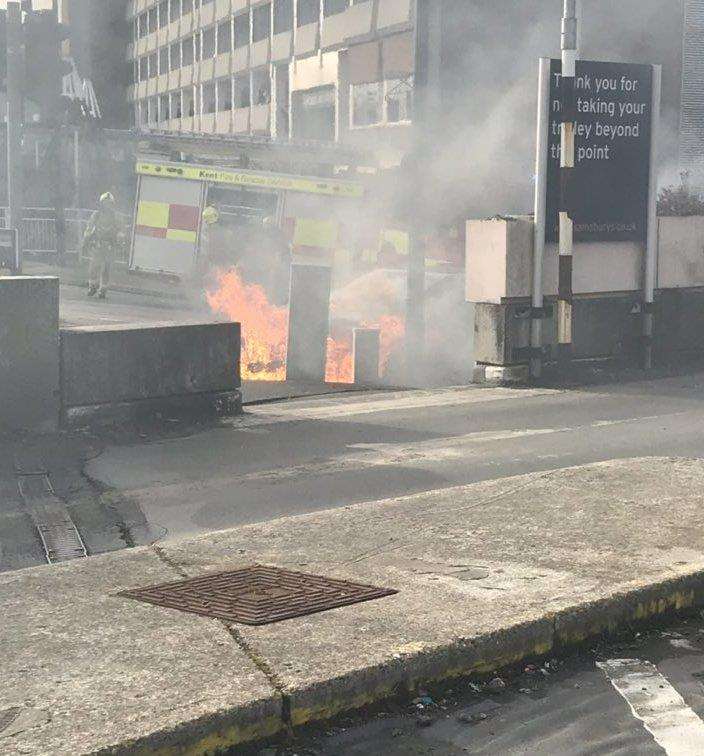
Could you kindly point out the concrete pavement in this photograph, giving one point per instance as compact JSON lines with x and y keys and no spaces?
{"x":487,"y":575}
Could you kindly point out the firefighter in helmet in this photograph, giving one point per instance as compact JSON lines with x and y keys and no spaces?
{"x":100,"y":242}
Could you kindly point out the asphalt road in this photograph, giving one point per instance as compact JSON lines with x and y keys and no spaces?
{"x":641,"y":695}
{"x":307,"y":455}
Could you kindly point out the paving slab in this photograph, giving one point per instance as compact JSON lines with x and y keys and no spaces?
{"x":85,"y":671}
{"x":487,"y":574}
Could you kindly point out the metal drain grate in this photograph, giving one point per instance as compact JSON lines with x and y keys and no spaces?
{"x":257,"y":595}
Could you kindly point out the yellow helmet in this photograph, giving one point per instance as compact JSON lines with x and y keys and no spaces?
{"x":211,"y":215}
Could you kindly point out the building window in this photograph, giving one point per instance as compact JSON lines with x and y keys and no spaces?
{"x":164,"y":60}
{"x":241,"y":30}
{"x":152,"y":20}
{"x":143,"y":113}
{"x":308,"y":12}
{"x":225,"y":37}
{"x":261,"y":86}
{"x":209,"y":97}
{"x":242,"y":98}
{"x":187,"y":52}
{"x":186,"y":7}
{"x":399,"y":100}
{"x":261,"y":23}
{"x":153,"y":110}
{"x":283,"y":16}
{"x":143,"y":68}
{"x":187,"y":103}
{"x":163,"y":13}
{"x":164,"y":108}
{"x":175,"y":10}
{"x":196,"y":47}
{"x":143,"y":25}
{"x":366,"y":104}
{"x":197,"y":100}
{"x":381,"y":102}
{"x":153,"y":65}
{"x":314,"y":114}
{"x":175,"y":56}
{"x":175,"y":104}
{"x":208,"y":45}
{"x":224,"y":94}
{"x":331,"y":7}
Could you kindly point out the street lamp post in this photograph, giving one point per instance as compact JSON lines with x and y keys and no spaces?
{"x":15,"y":60}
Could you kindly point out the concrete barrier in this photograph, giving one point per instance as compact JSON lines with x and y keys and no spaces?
{"x":120,"y":372}
{"x":29,"y":353}
{"x":608,"y":298}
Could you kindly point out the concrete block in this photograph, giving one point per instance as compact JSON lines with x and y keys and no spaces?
{"x":365,"y":356}
{"x":309,"y":322}
{"x":681,"y":252}
{"x":29,"y":353}
{"x":499,"y":259}
{"x":506,"y":374}
{"x":123,"y":367}
{"x":500,"y":329}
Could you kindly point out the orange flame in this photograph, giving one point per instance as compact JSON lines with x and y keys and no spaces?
{"x":264,"y":326}
{"x":340,"y":369}
{"x":265,"y":333}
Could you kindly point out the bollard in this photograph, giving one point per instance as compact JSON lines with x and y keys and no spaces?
{"x":365,"y":356}
{"x":308,"y":323}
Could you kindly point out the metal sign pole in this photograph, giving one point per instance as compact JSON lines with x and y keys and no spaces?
{"x":651,"y":252}
{"x":541,"y":183}
{"x":15,"y":77}
{"x":567,"y":163}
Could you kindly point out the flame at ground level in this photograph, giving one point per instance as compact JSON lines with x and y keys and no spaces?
{"x":340,"y":368}
{"x":265,"y":333}
{"x":264,"y":326}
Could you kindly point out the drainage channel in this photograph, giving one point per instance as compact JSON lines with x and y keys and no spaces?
{"x":58,"y":533}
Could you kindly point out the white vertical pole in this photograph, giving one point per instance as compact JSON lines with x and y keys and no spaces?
{"x":541,"y":182}
{"x":651,"y":252}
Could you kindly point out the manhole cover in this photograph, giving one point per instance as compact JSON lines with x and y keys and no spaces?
{"x":257,"y":595}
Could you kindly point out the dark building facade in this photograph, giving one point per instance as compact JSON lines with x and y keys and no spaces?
{"x":99,"y":40}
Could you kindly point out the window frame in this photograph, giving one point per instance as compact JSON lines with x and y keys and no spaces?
{"x":386,"y":86}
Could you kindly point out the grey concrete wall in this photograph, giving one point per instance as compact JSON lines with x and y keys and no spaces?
{"x":107,"y":366}
{"x":29,"y":353}
{"x":681,"y":252}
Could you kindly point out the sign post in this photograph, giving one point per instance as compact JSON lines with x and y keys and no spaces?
{"x":612,"y":192}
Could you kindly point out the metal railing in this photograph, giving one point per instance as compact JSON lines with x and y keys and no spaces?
{"x":38,"y":231}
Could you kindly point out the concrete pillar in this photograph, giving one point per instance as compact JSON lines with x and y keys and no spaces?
{"x":365,"y":353}
{"x":308,"y":323}
{"x":29,"y":354}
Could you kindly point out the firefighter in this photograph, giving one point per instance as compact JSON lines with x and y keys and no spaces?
{"x":100,"y":242}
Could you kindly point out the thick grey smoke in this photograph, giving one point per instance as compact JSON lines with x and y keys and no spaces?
{"x":486,"y":157}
